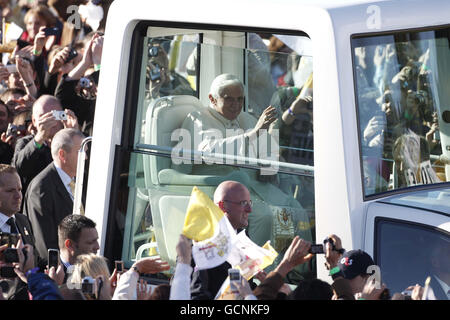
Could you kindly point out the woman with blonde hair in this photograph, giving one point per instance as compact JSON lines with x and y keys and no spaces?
{"x":91,"y":265}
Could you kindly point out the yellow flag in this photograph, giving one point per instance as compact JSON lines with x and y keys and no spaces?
{"x":202,"y":217}
{"x":210,"y":230}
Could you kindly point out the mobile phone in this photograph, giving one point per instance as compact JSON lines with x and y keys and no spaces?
{"x":53,"y":258}
{"x":10,"y":255}
{"x":234,"y":274}
{"x":7,"y":272}
{"x":11,"y":68}
{"x":119,"y":266}
{"x":51,"y":31}
{"x":316,"y":249}
{"x":59,"y":115}
{"x":72,"y":54}
{"x":22,"y":44}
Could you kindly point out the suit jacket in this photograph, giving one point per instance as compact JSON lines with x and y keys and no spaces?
{"x":29,"y":160}
{"x":24,"y":227}
{"x":206,"y":283}
{"x":437,"y":289}
{"x":46,"y":203}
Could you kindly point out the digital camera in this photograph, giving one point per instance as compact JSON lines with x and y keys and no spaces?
{"x":12,"y":130}
{"x":59,"y":115}
{"x":88,"y":286}
{"x":85,"y":83}
{"x":72,"y":54}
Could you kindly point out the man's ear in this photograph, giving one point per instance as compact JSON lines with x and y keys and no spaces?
{"x":220,"y":204}
{"x":62,"y":155}
{"x":212,"y":99}
{"x":69,"y":244}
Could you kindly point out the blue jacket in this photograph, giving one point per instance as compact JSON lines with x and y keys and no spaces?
{"x":42,"y":287}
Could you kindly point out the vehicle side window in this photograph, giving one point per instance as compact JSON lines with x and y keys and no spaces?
{"x":409,"y":253}
{"x":403,"y":106}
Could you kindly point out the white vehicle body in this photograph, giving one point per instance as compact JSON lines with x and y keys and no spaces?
{"x":341,"y":207}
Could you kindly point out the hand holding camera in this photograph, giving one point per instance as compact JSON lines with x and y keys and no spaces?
{"x":71,"y":120}
{"x":16,"y":261}
{"x":97,"y":48}
{"x":333,"y":251}
{"x":60,"y":59}
{"x":46,"y":127}
{"x":39,"y":41}
{"x":296,"y":254}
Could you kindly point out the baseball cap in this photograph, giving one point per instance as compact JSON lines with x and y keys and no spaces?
{"x":354,"y":263}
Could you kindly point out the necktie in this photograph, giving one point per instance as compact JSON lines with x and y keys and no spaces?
{"x":12,"y":225}
{"x":72,"y":189}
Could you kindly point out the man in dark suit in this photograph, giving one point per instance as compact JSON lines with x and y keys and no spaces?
{"x":76,"y":235}
{"x":32,"y":153}
{"x":49,"y":197}
{"x":233,"y":198}
{"x":13,"y":222}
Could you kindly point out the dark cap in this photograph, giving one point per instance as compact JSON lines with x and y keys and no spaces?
{"x":354,"y":263}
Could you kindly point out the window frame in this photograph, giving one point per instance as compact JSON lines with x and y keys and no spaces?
{"x":122,"y":156}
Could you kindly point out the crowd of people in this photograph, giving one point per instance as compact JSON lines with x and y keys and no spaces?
{"x":48,"y":86}
{"x":81,"y":274}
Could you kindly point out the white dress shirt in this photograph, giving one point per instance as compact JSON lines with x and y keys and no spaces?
{"x":4,"y":227}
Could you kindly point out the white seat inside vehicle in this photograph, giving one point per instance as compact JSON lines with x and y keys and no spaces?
{"x":164,"y":116}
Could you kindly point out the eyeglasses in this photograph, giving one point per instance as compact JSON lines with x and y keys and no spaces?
{"x":243,"y":203}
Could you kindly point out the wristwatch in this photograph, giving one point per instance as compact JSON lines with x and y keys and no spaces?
{"x":137,"y":270}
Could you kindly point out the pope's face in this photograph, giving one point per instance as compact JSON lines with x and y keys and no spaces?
{"x":230,"y":103}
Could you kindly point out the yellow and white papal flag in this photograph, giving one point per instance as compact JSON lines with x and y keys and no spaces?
{"x":210,"y":230}
{"x":250,"y":259}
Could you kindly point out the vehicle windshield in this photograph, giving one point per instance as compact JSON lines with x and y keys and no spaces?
{"x":186,"y":135}
{"x":403,"y":104}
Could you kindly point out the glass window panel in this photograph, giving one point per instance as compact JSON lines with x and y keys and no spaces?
{"x":167,"y":162}
{"x":403,"y":105}
{"x":407,"y":254}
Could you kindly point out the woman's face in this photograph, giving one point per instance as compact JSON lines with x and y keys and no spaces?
{"x":33,"y":25}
